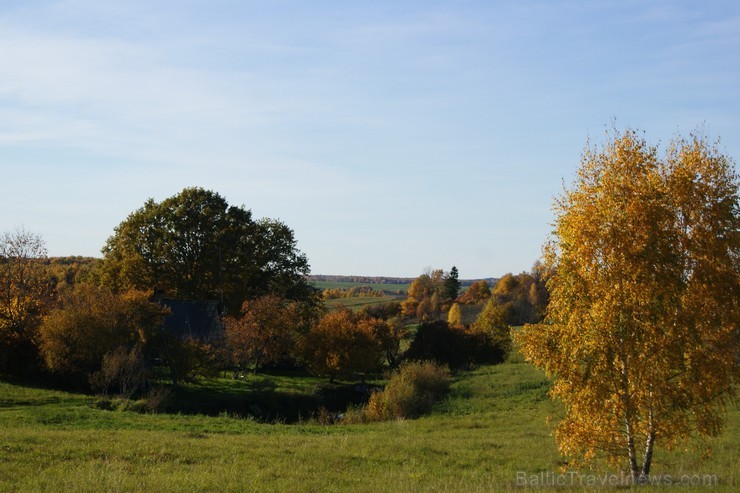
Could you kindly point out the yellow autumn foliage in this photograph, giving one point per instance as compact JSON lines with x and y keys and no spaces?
{"x":641,"y":335}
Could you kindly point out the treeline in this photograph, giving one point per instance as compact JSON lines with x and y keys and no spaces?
{"x":67,"y":271}
{"x":520,"y":299}
{"x":69,"y":319}
{"x":101,"y":324}
{"x":96,"y":338}
{"x":360,"y":279}
{"x":385,"y":280}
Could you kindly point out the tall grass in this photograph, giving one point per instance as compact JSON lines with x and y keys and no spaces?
{"x":411,"y":391}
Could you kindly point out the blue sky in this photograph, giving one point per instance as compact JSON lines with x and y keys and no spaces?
{"x":391,"y":136}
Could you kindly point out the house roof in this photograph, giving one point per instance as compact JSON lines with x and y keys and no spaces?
{"x":190,"y":319}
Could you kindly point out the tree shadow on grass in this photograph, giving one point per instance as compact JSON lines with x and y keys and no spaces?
{"x":266,"y":404}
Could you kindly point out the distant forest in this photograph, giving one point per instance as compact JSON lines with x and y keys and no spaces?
{"x":67,"y":270}
{"x":388,"y":280}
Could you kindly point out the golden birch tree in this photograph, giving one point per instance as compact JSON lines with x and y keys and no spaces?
{"x":641,"y":334}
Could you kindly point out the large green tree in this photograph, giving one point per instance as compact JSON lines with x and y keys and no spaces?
{"x":641,"y":334}
{"x":195,"y":245}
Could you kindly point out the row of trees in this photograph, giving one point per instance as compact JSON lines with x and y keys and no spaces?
{"x":191,"y":246}
{"x":97,"y":337}
{"x":353,"y":292}
{"x":195,"y":246}
{"x":179,"y":249}
{"x":521,"y":298}
{"x":271,"y":330}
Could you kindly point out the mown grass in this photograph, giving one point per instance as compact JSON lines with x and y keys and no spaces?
{"x":492,"y":425}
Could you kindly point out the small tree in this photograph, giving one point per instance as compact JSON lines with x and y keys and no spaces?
{"x":477,"y":292}
{"x":389,"y":334}
{"x":123,"y":371}
{"x":454,"y":316}
{"x":342,"y":345}
{"x":491,"y":324}
{"x":25,"y":293}
{"x":451,"y":287}
{"x":265,"y":333}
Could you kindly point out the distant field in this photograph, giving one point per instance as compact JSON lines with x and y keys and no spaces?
{"x":389,"y":288}
{"x":490,"y":428}
{"x":357,"y":303}
{"x":393,"y":292}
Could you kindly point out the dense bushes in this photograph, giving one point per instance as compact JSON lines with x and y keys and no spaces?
{"x":354,"y":292}
{"x":342,"y":344}
{"x":383,"y":311}
{"x":411,"y":391}
{"x":522,"y":297}
{"x":91,"y":322}
{"x":458,"y":348}
{"x":455,"y":347}
{"x":122,"y":371}
{"x":437,"y":341}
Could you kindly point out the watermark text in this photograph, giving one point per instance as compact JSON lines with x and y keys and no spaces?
{"x":573,"y":478}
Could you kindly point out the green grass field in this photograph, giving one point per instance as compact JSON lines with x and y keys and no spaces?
{"x":492,"y":425}
{"x":358,"y":302}
{"x":393,"y":292}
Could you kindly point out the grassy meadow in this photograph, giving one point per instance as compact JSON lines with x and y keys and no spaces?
{"x":393,"y":292}
{"x":492,"y":425}
{"x":359,"y":302}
